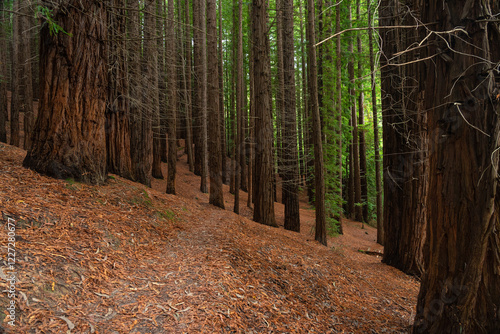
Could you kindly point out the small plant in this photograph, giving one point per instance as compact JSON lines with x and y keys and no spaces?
{"x":46,"y":14}
{"x":167,"y":215}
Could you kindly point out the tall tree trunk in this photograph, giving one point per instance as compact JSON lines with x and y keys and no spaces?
{"x":308,"y":163}
{"x":27,"y":82}
{"x":151,"y":84}
{"x":215,"y":168}
{"x":118,"y":159}
{"x":376,"y":139}
{"x":263,"y":181}
{"x":3,"y":74}
{"x":221,"y":101}
{"x":251,"y":120}
{"x":290,"y":155}
{"x":171,"y":100}
{"x":187,"y":87}
{"x":201,"y":163}
{"x":239,"y":108}
{"x":197,"y":89}
{"x":320,"y":233}
{"x":17,"y":73}
{"x":405,"y":143}
{"x":141,"y":144}
{"x":151,"y":97}
{"x":460,"y":291}
{"x":361,"y":122}
{"x":280,"y":93}
{"x":358,"y":213}
{"x":69,"y":139}
{"x":338,"y":114}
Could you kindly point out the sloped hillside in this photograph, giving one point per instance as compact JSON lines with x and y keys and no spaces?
{"x":124,"y":258}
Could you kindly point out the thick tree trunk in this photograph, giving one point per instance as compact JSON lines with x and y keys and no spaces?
{"x":69,"y":139}
{"x":263,"y":184}
{"x":118,"y":159}
{"x":405,"y":143}
{"x":215,"y":168}
{"x":289,"y":139}
{"x":460,"y":291}
{"x":320,"y":233}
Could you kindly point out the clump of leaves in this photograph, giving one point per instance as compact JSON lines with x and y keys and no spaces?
{"x":46,"y":14}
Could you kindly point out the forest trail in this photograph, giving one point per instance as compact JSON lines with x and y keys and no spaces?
{"x":124,"y":258}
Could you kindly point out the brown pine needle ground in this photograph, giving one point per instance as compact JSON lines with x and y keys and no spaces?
{"x":123,"y":258}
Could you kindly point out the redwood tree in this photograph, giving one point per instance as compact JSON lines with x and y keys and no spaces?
{"x":171,"y":100}
{"x":68,"y":138}
{"x":263,"y":180}
{"x":460,"y":291}
{"x":405,"y":158}
{"x":319,"y":182}
{"x":117,"y":107}
{"x":215,"y":162}
{"x":290,"y":161}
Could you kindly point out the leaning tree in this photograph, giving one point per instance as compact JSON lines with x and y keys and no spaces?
{"x":68,"y":138}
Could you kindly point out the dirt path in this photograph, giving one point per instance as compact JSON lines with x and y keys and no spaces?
{"x":123,"y":258}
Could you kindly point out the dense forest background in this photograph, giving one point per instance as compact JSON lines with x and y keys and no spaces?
{"x":276,"y":98}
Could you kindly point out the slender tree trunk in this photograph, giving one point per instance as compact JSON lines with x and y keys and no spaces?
{"x":233,"y":100}
{"x":215,"y":168}
{"x":290,"y":155}
{"x":263,"y":181}
{"x":171,"y":100}
{"x":280,"y":93}
{"x":118,"y":159}
{"x":150,"y":96}
{"x":460,"y":291}
{"x":251,"y":121}
{"x":308,"y":163}
{"x":201,"y":93}
{"x":69,"y":139}
{"x":187,"y":87}
{"x":320,"y":234}
{"x":338,"y":113}
{"x":4,"y":75}
{"x":361,"y":122}
{"x":376,"y":140}
{"x":239,"y":108}
{"x":221,"y":101}
{"x":197,"y":89}
{"x":358,"y":213}
{"x":17,"y":73}
{"x":27,"y":82}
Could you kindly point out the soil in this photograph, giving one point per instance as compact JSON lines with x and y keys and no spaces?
{"x":124,"y":258}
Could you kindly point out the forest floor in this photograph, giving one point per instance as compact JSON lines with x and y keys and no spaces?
{"x":124,"y":258}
